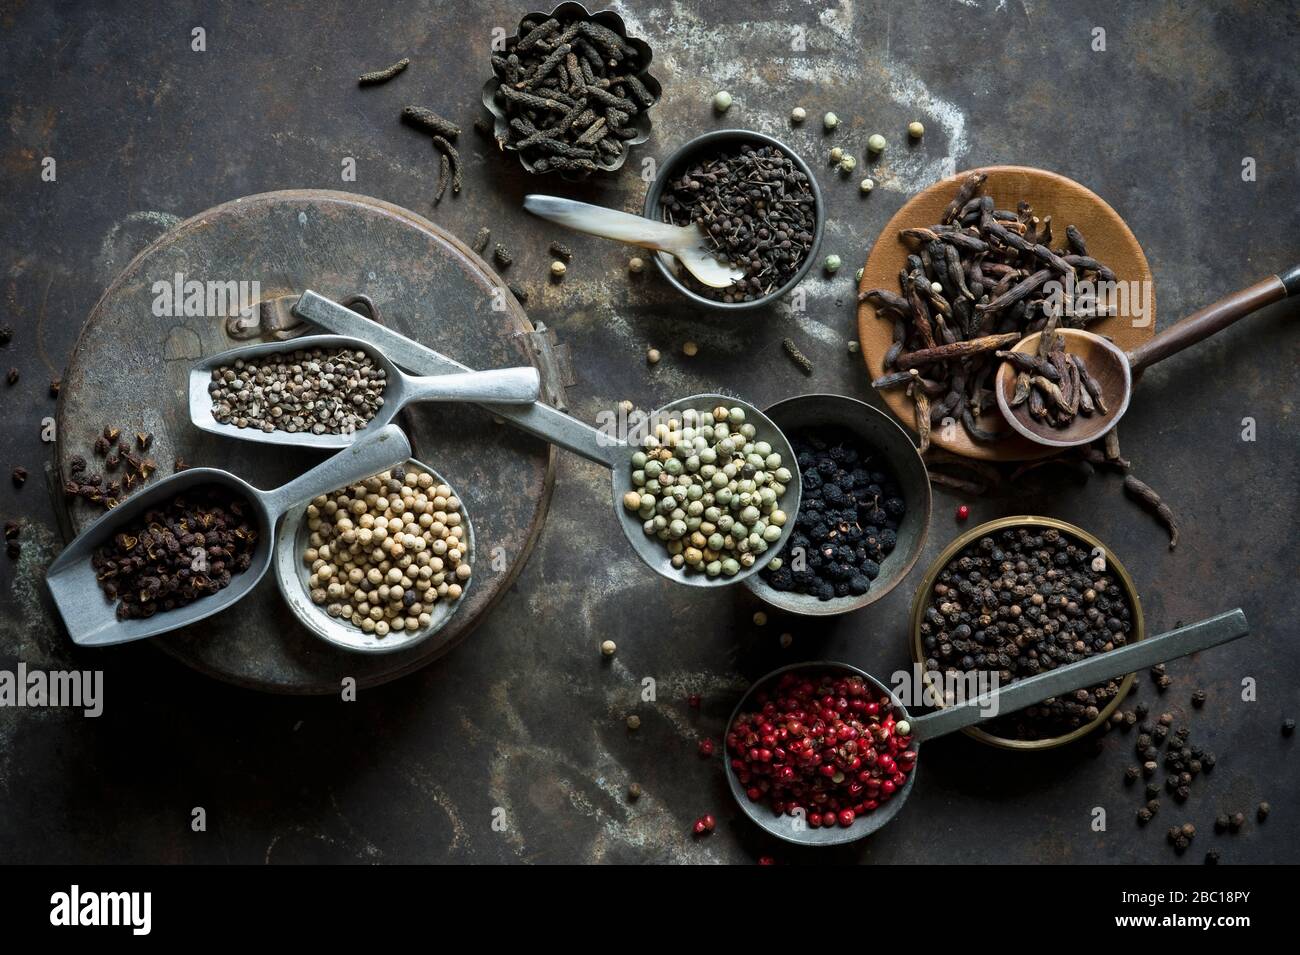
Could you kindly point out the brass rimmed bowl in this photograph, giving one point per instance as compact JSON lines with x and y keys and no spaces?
{"x":1113,"y":567}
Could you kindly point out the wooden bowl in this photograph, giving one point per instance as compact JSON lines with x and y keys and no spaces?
{"x":1068,"y":203}
{"x":1105,"y":362}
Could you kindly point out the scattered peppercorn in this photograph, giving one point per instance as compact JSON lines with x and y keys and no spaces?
{"x":705,"y":747}
{"x":558,"y":269}
{"x":56,"y":385}
{"x":760,"y":618}
{"x":560,"y":251}
{"x":876,"y":143}
{"x":6,"y":335}
{"x":12,"y":377}
{"x":693,"y":701}
{"x":832,"y":264}
{"x":634,"y":791}
{"x":634,"y":722}
{"x":652,"y":356}
{"x":635,"y":265}
{"x":1198,"y":698}
{"x":690,"y":349}
{"x":798,"y":114}
{"x":704,"y":825}
{"x":502,"y":255}
{"x":19,"y":475}
{"x":1262,"y":812}
{"x":963,"y":512}
{"x":1131,"y":774}
{"x":608,"y":648}
{"x":1236,"y":821}
{"x":1212,"y":857}
{"x":722,"y":101}
{"x":916,"y":130}
{"x":830,"y":121}
{"x":1288,"y":727}
{"x":1222,"y":822}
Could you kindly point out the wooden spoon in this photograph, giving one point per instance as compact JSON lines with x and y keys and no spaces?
{"x":1115,"y":369}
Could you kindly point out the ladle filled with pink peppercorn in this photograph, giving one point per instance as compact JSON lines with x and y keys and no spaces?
{"x":825,"y":754}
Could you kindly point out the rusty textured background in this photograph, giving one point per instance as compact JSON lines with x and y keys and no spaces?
{"x":525,"y":719}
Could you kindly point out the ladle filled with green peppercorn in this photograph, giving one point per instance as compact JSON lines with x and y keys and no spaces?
{"x":891,"y":754}
{"x":756,"y":447}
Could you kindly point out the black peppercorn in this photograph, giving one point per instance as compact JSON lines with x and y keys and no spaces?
{"x":1153,"y":790}
{"x":1144,"y":816}
{"x":1236,"y":821}
{"x":1181,"y":844}
{"x":19,"y":475}
{"x":6,"y":335}
{"x":1198,"y":698}
{"x":1166,"y":719}
{"x":1288,"y":727}
{"x":1182,"y":793}
{"x":1212,"y":857}
{"x":1221,"y":822}
{"x":1131,"y":774}
{"x":1164,"y":683}
{"x":1262,"y":812}
{"x":12,"y":377}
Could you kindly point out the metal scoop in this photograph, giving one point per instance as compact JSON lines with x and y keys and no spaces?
{"x":1014,"y":696}
{"x":685,"y":243}
{"x":1115,"y":370}
{"x":501,"y":386}
{"x":91,"y":618}
{"x":554,"y":426}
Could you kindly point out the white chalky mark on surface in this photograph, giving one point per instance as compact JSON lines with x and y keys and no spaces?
{"x":117,"y":248}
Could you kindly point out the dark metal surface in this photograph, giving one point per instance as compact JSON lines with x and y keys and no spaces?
{"x":524,"y":724}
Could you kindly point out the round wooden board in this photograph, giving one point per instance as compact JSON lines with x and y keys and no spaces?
{"x":1068,"y":203}
{"x":129,"y":370}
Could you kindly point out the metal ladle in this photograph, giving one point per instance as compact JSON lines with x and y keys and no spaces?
{"x":91,"y":618}
{"x":1014,"y":696}
{"x":554,"y":426}
{"x":685,"y":243}
{"x":500,"y":386}
{"x":1115,"y":370}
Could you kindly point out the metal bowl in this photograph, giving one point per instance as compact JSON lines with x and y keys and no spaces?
{"x":873,"y":427}
{"x":710,"y":144}
{"x":783,"y":826}
{"x":566,"y":13}
{"x":291,"y":574}
{"x":1113,"y":566}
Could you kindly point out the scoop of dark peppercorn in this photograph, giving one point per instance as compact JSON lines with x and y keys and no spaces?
{"x":847,"y":522}
{"x":1024,"y":601}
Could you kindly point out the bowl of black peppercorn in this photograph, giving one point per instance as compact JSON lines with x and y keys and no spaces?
{"x":863,"y":515}
{"x":1020,"y":596}
{"x":770,"y":227}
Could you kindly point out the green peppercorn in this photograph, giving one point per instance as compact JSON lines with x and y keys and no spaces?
{"x":832,"y":264}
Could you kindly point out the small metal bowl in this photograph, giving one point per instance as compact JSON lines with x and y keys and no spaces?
{"x":1113,"y":566}
{"x":710,"y":144}
{"x":291,"y":574}
{"x":783,"y":826}
{"x":873,"y":427}
{"x":566,"y":13}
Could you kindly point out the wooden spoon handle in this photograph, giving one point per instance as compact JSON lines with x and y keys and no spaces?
{"x":1214,"y":318}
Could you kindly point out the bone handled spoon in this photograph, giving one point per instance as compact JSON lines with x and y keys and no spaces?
{"x":685,"y":243}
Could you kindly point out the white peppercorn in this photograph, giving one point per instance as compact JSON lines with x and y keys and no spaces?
{"x":384,"y":551}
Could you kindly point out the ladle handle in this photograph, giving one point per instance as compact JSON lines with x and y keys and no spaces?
{"x":1105,"y":666}
{"x":537,"y":419}
{"x":606,"y":223}
{"x":500,"y":386}
{"x":1215,"y":317}
{"x":370,"y":455}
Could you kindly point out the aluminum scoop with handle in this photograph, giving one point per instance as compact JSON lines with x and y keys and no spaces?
{"x":685,"y":243}
{"x":91,"y":618}
{"x":501,"y":386}
{"x":1208,"y":633}
{"x":545,"y":422}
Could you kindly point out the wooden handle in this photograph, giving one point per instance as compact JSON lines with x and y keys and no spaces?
{"x":1213,"y":318}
